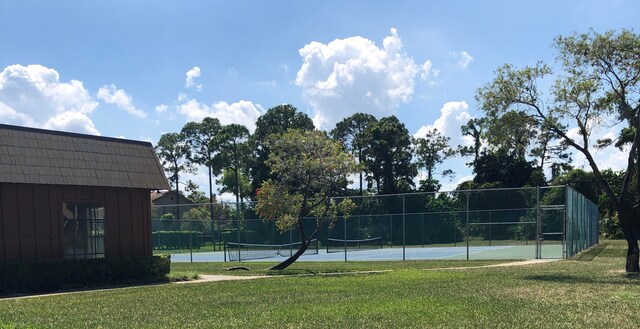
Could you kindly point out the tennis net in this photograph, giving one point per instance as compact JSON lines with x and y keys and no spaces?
{"x":340,"y":245}
{"x":247,"y":251}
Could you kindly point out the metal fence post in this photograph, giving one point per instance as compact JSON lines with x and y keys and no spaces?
{"x":489,"y":227}
{"x":344,"y":220}
{"x":467,"y":226}
{"x":403,"y":230}
{"x":538,"y":225}
{"x":239,"y":251}
{"x":422,"y":230}
{"x":565,"y":223}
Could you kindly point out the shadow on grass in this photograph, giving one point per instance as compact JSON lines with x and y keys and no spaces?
{"x":591,"y":253}
{"x":621,"y":279}
{"x":292,"y":272}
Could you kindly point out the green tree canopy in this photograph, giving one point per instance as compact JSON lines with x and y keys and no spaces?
{"x":352,"y":132}
{"x":388,"y":156}
{"x":474,"y":128}
{"x":431,"y":151}
{"x":172,"y":151}
{"x":233,"y":143}
{"x":502,"y":169}
{"x":276,"y":120}
{"x":597,"y":86}
{"x":202,"y":140}
{"x":513,"y":131}
{"x":308,"y":167}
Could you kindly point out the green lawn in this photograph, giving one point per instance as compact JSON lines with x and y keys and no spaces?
{"x":564,"y":294}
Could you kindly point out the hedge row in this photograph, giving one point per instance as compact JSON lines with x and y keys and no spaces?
{"x":177,"y":239}
{"x":56,"y":275}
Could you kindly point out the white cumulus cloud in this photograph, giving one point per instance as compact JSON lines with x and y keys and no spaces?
{"x":428,"y":73}
{"x":462,"y":59}
{"x":191,"y":75}
{"x":112,"y":95}
{"x":353,"y":75}
{"x":34,"y":96}
{"x":243,"y":112}
{"x":72,"y":121}
{"x":452,"y":116}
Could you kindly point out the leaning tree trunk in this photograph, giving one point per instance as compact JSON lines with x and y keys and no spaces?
{"x":303,"y":246}
{"x":294,"y":257}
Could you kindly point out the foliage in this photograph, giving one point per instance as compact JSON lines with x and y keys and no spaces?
{"x":194,"y":193}
{"x":512,"y":131}
{"x":173,"y":152}
{"x":474,"y":128}
{"x":502,"y":169}
{"x":201,"y":138}
{"x":552,"y":152}
{"x":177,"y":240}
{"x":309,"y":168}
{"x":596,"y":88}
{"x":431,"y":151}
{"x":229,"y":184}
{"x":275,"y":121}
{"x":168,"y":215}
{"x":233,"y":143}
{"x":389,"y":156}
{"x":352,"y":132}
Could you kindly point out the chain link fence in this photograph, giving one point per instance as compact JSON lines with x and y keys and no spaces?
{"x":520,"y":223}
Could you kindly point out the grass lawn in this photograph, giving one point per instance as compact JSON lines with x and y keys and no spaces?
{"x":589,"y":293}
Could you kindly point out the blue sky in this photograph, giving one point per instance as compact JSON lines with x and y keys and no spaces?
{"x":120,"y":68}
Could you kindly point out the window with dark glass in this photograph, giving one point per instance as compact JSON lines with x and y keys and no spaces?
{"x":83,"y":230}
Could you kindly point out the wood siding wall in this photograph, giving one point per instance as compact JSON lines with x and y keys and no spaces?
{"x":31,"y":220}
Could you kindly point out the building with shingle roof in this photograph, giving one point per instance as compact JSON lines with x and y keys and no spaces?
{"x":74,"y":196}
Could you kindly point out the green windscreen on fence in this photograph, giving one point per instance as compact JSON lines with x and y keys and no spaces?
{"x":517,"y":223}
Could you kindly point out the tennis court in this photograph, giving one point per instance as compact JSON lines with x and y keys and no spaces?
{"x":523,"y":223}
{"x":396,"y":253}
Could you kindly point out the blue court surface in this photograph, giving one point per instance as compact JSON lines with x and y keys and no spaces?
{"x":396,"y":253}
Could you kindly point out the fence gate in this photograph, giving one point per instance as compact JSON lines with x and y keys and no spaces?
{"x":551,"y":227}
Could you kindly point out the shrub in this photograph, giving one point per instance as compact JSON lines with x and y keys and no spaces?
{"x":55,"y":275}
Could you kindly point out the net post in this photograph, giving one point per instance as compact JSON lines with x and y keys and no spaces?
{"x":225,"y":251}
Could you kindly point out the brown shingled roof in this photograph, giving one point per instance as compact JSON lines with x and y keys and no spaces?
{"x":37,"y":156}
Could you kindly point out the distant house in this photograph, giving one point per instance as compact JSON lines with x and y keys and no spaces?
{"x":167,"y":202}
{"x":74,"y":196}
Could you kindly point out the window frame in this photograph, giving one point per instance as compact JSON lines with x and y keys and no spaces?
{"x":91,"y":244}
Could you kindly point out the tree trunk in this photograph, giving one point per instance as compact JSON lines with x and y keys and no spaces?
{"x":292,"y":259}
{"x":629,"y":228}
{"x":632,"y":256}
